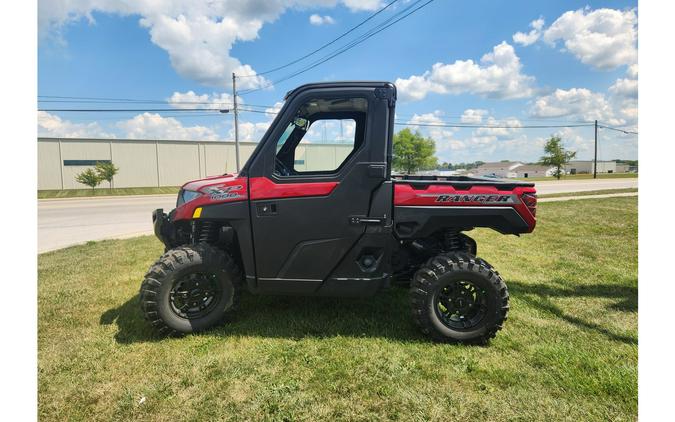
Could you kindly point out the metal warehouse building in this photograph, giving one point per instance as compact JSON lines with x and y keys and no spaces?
{"x":586,"y":167}
{"x":145,"y":163}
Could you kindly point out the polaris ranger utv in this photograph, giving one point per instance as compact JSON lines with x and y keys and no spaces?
{"x":332,"y":220}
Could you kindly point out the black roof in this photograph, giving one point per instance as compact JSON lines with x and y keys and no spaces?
{"x":339,"y":84}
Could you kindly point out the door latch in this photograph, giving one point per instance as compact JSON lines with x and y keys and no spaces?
{"x":266,"y":209}
{"x":357,"y":219}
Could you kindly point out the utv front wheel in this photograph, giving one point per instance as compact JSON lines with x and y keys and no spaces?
{"x":190,"y":289}
{"x":457,"y":297}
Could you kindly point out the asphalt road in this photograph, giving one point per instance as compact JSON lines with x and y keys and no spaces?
{"x":66,"y":222}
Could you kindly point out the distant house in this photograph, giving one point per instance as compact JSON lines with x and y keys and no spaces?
{"x":586,"y":167}
{"x":534,"y":170}
{"x":500,"y":169}
{"x":622,"y":168}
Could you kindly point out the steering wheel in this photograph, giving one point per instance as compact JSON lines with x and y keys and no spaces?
{"x":281,"y":168}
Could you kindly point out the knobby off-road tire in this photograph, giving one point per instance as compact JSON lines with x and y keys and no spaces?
{"x":453,"y":284}
{"x":174,"y":281}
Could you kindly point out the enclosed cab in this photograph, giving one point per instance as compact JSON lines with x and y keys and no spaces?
{"x":331,"y":220}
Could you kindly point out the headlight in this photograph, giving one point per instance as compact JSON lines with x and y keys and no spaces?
{"x":185,"y":196}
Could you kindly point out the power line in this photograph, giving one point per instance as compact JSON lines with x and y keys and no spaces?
{"x":344,"y":34}
{"x":491,"y":126}
{"x":459,"y":118}
{"x":106,"y":100}
{"x":206,"y":112}
{"x":627,"y":132}
{"x":126,"y":110}
{"x":369,"y":34}
{"x":248,"y":110}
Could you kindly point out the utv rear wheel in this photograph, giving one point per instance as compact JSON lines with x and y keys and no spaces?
{"x":457,"y":297}
{"x":190,"y":289}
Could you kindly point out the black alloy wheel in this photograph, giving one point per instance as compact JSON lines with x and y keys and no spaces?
{"x":194,"y":295}
{"x":461,"y":305}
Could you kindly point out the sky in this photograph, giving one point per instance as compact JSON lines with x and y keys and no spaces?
{"x":483,"y":62}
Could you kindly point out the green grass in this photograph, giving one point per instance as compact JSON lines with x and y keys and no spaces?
{"x":586,"y":193}
{"x":567,"y":352}
{"x":80,"y":193}
{"x":584,"y":176}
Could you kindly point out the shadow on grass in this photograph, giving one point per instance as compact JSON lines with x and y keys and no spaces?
{"x":539,"y":296}
{"x":385,"y":315}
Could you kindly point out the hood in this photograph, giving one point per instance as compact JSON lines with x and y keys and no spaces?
{"x":196,"y":185}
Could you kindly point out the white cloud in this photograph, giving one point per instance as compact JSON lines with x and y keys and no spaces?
{"x":154,"y":126}
{"x":271,"y":112}
{"x":321,"y":20}
{"x":250,"y":132}
{"x":532,"y":36}
{"x":505,"y":128}
{"x":632,"y":71}
{"x":473,"y":115}
{"x":625,"y":88}
{"x":579,"y":103}
{"x":443,"y":136}
{"x":498,"y":76}
{"x":197,"y":35}
{"x":206,"y":101}
{"x":602,"y":38}
{"x":50,"y":125}
{"x":361,"y":5}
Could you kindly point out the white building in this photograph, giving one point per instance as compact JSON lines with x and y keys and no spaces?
{"x":586,"y":167}
{"x":534,"y":170}
{"x":500,"y":169}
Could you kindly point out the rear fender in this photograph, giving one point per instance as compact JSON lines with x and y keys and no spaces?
{"x":420,"y":211}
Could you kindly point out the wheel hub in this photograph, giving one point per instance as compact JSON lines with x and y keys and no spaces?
{"x":461,"y":305}
{"x":194,"y":295}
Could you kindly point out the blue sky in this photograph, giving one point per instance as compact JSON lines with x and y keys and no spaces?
{"x":453,"y":62}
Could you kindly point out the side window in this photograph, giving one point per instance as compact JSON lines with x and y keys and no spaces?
{"x":321,"y":137}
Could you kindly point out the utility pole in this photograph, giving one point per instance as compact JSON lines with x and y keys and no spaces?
{"x":236,"y":119}
{"x":595,"y":159}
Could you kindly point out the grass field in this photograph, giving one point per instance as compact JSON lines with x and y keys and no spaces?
{"x":79,"y":193}
{"x":587,"y":193}
{"x":568,"y":350}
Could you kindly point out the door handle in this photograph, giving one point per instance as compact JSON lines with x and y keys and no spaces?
{"x":377,"y":171}
{"x":266,"y":209}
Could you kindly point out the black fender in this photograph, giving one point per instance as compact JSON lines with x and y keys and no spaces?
{"x":414,"y":222}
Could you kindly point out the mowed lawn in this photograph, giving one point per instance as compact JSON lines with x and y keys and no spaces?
{"x":568,"y":350}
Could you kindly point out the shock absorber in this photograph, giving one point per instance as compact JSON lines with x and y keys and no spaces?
{"x":452,"y":241}
{"x":207,"y":232}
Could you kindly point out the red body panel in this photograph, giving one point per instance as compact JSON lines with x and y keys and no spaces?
{"x":214,"y":190}
{"x":264,"y":188}
{"x":407,"y":195}
{"x":230,"y":188}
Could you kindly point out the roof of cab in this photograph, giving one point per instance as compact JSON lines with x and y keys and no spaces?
{"x":338,"y":84}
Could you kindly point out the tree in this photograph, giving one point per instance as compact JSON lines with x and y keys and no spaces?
{"x":556,"y":155}
{"x":88,"y":177}
{"x":106,"y":171}
{"x":413,"y":152}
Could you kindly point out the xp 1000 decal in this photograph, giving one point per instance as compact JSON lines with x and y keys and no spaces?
{"x":221,"y":193}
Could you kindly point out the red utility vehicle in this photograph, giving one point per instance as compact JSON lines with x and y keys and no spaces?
{"x":308,"y":217}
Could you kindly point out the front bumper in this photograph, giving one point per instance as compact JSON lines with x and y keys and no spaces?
{"x":162,"y":226}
